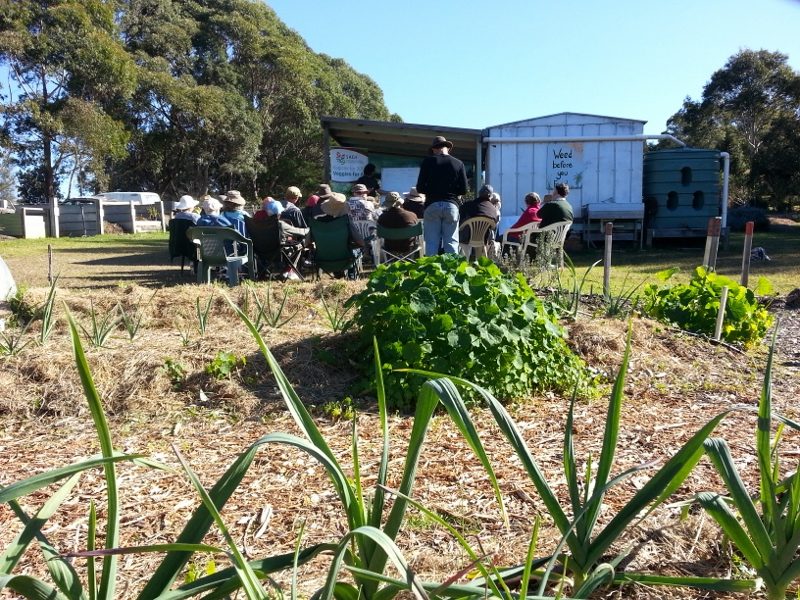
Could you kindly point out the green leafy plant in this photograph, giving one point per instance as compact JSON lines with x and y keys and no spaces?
{"x":22,"y":310}
{"x":335,"y":312}
{"x":132,"y":320}
{"x":12,"y":342}
{"x":694,"y":306}
{"x":224,"y":365}
{"x":100,"y":328}
{"x":568,"y":290}
{"x":340,"y":409}
{"x":47,"y":313}
{"x":183,"y":331}
{"x":469,"y":320}
{"x":175,"y":371}
{"x":769,"y":538}
{"x":620,"y":305}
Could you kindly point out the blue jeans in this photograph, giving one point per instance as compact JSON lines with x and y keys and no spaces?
{"x":441,"y":228}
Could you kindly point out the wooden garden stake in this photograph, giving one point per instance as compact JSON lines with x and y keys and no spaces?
{"x":748,"y":247}
{"x":607,"y":261}
{"x":721,"y":314}
{"x":712,"y":243}
{"x":49,"y":264}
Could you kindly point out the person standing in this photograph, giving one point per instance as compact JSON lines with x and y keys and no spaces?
{"x":443,"y":180}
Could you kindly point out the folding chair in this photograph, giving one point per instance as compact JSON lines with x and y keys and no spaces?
{"x":382,"y":255}
{"x":211,"y":252}
{"x":479,"y":236}
{"x":555,"y":235}
{"x":179,"y":242}
{"x":273,"y":253}
{"x":333,"y":253}
{"x":520,"y":241}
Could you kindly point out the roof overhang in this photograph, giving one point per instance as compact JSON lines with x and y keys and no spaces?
{"x":400,"y":139}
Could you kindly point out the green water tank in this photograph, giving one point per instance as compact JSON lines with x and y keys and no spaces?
{"x":681,"y":190}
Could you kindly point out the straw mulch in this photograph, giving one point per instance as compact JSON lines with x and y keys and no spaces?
{"x":676,"y":383}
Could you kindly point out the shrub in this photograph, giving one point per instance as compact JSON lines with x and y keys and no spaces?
{"x":694,"y":306}
{"x":446,"y":315}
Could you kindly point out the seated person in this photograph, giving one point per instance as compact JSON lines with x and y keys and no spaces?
{"x":395,"y":216}
{"x":498,"y":204}
{"x":269,"y":208}
{"x":529,"y":215}
{"x":233,"y":210}
{"x":184,"y":209}
{"x":558,"y":210}
{"x":480,"y":207}
{"x":415,"y":202}
{"x":336,"y":207}
{"x":291,"y":213}
{"x":211,"y":216}
{"x":361,"y":207}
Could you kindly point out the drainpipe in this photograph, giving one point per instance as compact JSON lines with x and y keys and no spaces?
{"x":726,"y":171}
{"x":585,"y":138}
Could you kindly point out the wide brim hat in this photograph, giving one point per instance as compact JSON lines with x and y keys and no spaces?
{"x":413,"y":194}
{"x":324,"y":191}
{"x":335,"y":206}
{"x":439,"y":142}
{"x":235,"y":197}
{"x":211,"y":205}
{"x":393,"y":199}
{"x":359,"y":188}
{"x":186,"y":203}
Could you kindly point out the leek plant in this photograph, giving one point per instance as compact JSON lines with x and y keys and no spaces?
{"x":588,"y":544}
{"x":769,"y":538}
{"x":100,"y":329}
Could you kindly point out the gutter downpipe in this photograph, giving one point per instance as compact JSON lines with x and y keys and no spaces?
{"x":726,"y":171}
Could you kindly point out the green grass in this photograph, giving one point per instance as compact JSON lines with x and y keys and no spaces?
{"x":783,"y":270}
{"x":17,"y":248}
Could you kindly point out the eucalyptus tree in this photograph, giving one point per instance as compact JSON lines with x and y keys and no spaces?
{"x":69,"y":72}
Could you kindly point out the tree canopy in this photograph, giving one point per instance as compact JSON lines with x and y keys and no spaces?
{"x":167,"y":95}
{"x":751,"y":109}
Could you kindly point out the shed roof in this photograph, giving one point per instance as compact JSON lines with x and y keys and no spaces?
{"x":401,"y":139}
{"x":565,"y":115}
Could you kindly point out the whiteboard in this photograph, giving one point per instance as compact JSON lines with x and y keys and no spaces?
{"x":399,"y":179}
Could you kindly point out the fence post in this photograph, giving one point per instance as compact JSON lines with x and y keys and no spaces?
{"x":721,"y":314}
{"x":748,"y":248}
{"x":609,"y":231}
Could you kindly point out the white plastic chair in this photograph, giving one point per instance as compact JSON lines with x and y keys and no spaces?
{"x":522,"y":237}
{"x":478,"y":228}
{"x":559,"y":232}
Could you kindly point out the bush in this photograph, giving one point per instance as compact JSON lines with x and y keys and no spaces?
{"x":737,"y":217}
{"x":694,"y":307}
{"x":445,"y":315}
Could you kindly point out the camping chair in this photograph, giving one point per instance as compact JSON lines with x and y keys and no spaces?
{"x":275,"y":256}
{"x":380,"y":252}
{"x":211,"y":252}
{"x":367,"y":230}
{"x":179,"y":242}
{"x":522,"y":237}
{"x":480,"y":236}
{"x":553,"y":236}
{"x":332,"y":241}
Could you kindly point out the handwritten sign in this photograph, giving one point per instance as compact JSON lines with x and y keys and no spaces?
{"x":347,"y":164}
{"x":565,"y":165}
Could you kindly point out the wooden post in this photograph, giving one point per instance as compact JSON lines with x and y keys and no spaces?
{"x":721,"y":314}
{"x":712,"y":243}
{"x":49,"y":264}
{"x":748,"y":247}
{"x":609,"y":231}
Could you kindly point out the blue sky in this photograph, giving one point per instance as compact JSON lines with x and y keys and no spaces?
{"x":472,"y":63}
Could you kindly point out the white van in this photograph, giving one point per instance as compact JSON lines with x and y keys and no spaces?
{"x":133,"y":197}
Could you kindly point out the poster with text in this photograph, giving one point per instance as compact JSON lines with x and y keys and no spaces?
{"x":565,"y":165}
{"x":347,"y":164}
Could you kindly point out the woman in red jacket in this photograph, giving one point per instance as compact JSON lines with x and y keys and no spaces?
{"x":529,"y":215}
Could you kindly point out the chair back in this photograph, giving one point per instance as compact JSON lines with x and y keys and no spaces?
{"x":398,"y":233}
{"x":210,"y":244}
{"x":559,"y":232}
{"x":179,"y":243}
{"x":519,"y":238}
{"x":478,"y":228}
{"x":365,"y":227}
{"x":332,"y":241}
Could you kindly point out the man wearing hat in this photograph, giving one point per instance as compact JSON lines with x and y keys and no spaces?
{"x":211,"y":213}
{"x":361,"y":209}
{"x":396,"y":217}
{"x":184,"y":209}
{"x":443,"y":180}
{"x":233,"y":210}
{"x":414,"y":202}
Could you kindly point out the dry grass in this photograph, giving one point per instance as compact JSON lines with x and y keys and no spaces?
{"x":676,"y":383}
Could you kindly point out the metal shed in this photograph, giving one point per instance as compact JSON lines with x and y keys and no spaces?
{"x":599,"y":157}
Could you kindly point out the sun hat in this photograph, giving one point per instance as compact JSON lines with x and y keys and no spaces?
{"x":336,"y":205}
{"x":186,"y":202}
{"x":360,"y":188}
{"x":439,"y":141}
{"x":324,"y":191}
{"x":234,"y":197}
{"x":211,"y":205}
{"x":272,"y":206}
{"x":413,"y":193}
{"x":485,"y":191}
{"x":293,"y":192}
{"x":393,"y":199}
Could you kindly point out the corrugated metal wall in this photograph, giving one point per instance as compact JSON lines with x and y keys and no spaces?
{"x":607,"y":171}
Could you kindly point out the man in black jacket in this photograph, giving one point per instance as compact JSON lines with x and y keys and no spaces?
{"x":443,"y":180}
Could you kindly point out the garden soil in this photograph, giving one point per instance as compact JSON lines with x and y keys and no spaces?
{"x":161,"y":399}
